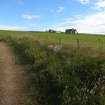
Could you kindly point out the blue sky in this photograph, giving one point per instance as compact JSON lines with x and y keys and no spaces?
{"x":84,"y":15}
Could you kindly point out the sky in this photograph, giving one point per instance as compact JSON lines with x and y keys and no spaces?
{"x":87,"y":16}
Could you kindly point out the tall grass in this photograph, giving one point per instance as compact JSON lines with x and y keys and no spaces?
{"x":67,"y":77}
{"x":73,"y":75}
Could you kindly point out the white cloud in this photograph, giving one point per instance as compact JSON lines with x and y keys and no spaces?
{"x":30,"y":17}
{"x":60,"y":9}
{"x":100,"y":4}
{"x":95,"y":4}
{"x":94,"y":23}
{"x":30,"y":27}
{"x":84,"y":1}
{"x":10,"y":27}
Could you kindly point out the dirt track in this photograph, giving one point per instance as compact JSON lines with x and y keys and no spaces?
{"x":11,"y":78}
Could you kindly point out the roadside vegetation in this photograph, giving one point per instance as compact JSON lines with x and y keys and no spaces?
{"x":62,"y":69}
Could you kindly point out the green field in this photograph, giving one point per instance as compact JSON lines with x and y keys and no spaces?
{"x":85,"y":39}
{"x":55,"y":37}
{"x":63,"y":69}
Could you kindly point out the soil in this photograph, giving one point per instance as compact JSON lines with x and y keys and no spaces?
{"x":12,"y":78}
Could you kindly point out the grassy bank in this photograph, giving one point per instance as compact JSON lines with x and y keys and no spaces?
{"x":60,"y":71}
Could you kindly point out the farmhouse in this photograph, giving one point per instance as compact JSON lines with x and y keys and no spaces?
{"x":71,"y":31}
{"x":51,"y":31}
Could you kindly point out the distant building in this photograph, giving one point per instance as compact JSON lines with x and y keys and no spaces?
{"x":51,"y":31}
{"x":71,"y":31}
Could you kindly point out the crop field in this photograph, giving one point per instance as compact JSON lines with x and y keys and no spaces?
{"x":62,"y":69}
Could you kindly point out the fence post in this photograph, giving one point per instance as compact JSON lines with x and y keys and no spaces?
{"x":100,"y":46}
{"x":60,"y":41}
{"x":78,"y":46}
{"x":78,"y":54}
